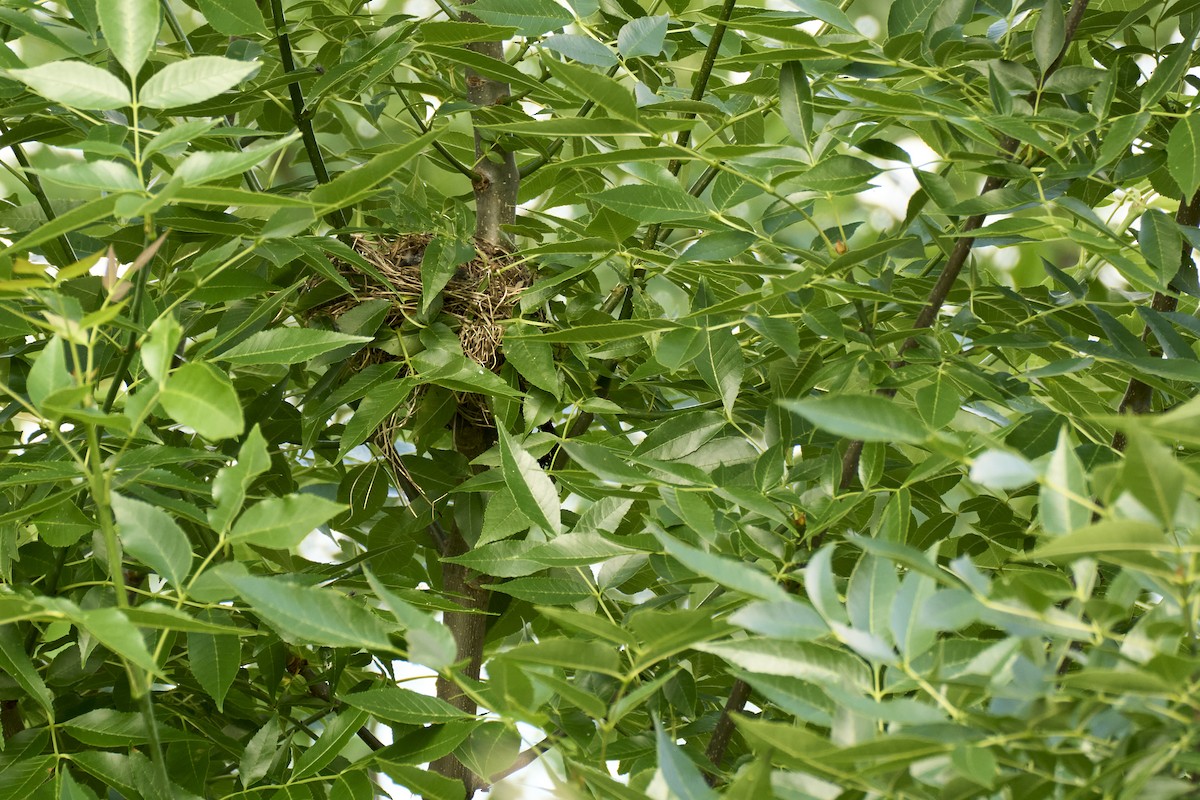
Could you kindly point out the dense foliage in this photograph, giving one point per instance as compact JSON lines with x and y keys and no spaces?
{"x":719,"y":400}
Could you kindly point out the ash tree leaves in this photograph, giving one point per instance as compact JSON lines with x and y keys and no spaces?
{"x":652,"y":203}
{"x":643,"y":36}
{"x":75,"y":84}
{"x":283,"y":522}
{"x":1183,"y":154}
{"x":863,"y":417}
{"x":233,"y":17}
{"x":532,"y":490}
{"x":150,"y":535}
{"x":130,"y":29}
{"x":311,"y":615}
{"x":193,"y":80}
{"x":203,"y":399}
{"x":529,"y":17}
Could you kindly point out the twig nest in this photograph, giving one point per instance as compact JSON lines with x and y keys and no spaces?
{"x":481,"y":292}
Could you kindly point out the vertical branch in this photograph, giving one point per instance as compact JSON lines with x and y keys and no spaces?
{"x":1138,"y":394}
{"x":962,"y":250}
{"x":499,"y":179}
{"x":300,"y":113}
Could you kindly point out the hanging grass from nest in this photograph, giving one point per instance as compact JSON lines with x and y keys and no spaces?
{"x":482,"y":291}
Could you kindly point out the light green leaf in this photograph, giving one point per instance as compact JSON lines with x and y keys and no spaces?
{"x":643,"y":36}
{"x":362,"y":181}
{"x":681,"y":775}
{"x":838,"y":174}
{"x":725,"y":571}
{"x":150,"y":535}
{"x":233,"y":17}
{"x":193,"y":80}
{"x":213,"y":166}
{"x":375,"y":407}
{"x":214,"y":660}
{"x":650,"y":203}
{"x":1063,"y":501}
{"x":583,"y":49}
{"x":428,"y":641}
{"x":721,"y":365}
{"x":1109,"y":538}
{"x":230,"y":485}
{"x":259,"y":753}
{"x":819,"y":584}
{"x":49,"y":373}
{"x":1153,"y":476}
{"x":1171,"y":69}
{"x":532,"y":358}
{"x":16,"y":664}
{"x":910,"y":16}
{"x":805,"y":660}
{"x":1161,"y":243}
{"x":795,"y":101}
{"x":546,"y":591}
{"x":404,"y":707}
{"x":203,"y":399}
{"x":288,"y":346}
{"x":441,"y":259}
{"x":103,"y":175}
{"x":114,"y":630}
{"x":529,"y":17}
{"x":158,"y":349}
{"x":826,"y":12}
{"x":868,"y":418}
{"x":597,"y":87}
{"x":308,"y":615}
{"x":76,"y":84}
{"x":501,"y":518}
{"x":534,"y":492}
{"x":1183,"y":154}
{"x":1049,"y":34}
{"x":938,"y":402}
{"x":283,"y":522}
{"x":130,"y":28}
{"x":1001,"y":470}
{"x":333,"y":739}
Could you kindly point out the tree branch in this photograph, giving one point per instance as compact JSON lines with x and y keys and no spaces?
{"x":719,"y":743}
{"x":960,"y":252}
{"x":300,"y":114}
{"x":1138,"y":394}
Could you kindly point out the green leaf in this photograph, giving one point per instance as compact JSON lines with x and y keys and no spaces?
{"x":230,"y":485}
{"x":795,"y":101}
{"x":375,"y":407}
{"x":650,"y":204}
{"x":819,"y":584}
{"x":546,"y":591}
{"x":682,"y":777}
{"x":76,"y":84}
{"x":214,"y":166}
{"x":910,"y":16}
{"x":721,"y":365}
{"x":130,"y":28}
{"x":529,"y":17}
{"x":1171,"y":69}
{"x":533,"y":491}
{"x":1049,"y":34}
{"x":1063,"y":504}
{"x":805,"y":660}
{"x":203,"y":399}
{"x":532,"y":358}
{"x":428,"y":641}
{"x":233,"y":17}
{"x":49,"y":373}
{"x":1110,"y":539}
{"x":16,"y":664}
{"x":107,"y":727}
{"x":583,"y":49}
{"x":1183,"y":154}
{"x":150,"y":535}
{"x":838,"y":174}
{"x":404,"y":707}
{"x":597,"y":87}
{"x":1161,"y":243}
{"x":259,"y":753}
{"x":103,"y":175}
{"x":333,"y":739}
{"x":362,"y":181}
{"x":193,"y":80}
{"x":501,"y":518}
{"x":73,"y":220}
{"x":288,"y":346}
{"x":1153,"y":476}
{"x":938,"y":402}
{"x":308,"y":615}
{"x":643,"y":36}
{"x":158,"y":349}
{"x":1001,"y":470}
{"x":114,"y":630}
{"x":868,"y":418}
{"x":441,"y":259}
{"x":725,"y":571}
{"x":283,"y":522}
{"x":214,"y":660}
{"x":826,"y":12}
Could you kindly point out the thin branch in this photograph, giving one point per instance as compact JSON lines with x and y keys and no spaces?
{"x":1138,"y":394}
{"x":699,"y":88}
{"x":39,"y":194}
{"x":438,"y":146}
{"x":300,"y":114}
{"x":719,"y":742}
{"x":959,"y":254}
{"x":320,"y":690}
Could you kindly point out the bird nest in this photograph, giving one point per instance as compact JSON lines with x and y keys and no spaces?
{"x":482,"y":292}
